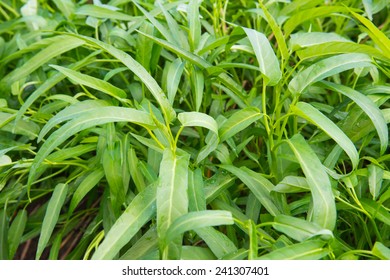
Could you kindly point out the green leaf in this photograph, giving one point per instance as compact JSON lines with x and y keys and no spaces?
{"x":189,"y":119}
{"x":218,"y":242}
{"x":102,"y":12}
{"x":51,"y":82}
{"x":381,"y":251}
{"x":59,"y":45}
{"x":194,"y":23}
{"x":66,"y":7}
{"x":326,"y":68}
{"x":196,"y":253}
{"x":91,"y":118}
{"x":376,"y":210}
{"x":282,"y":46}
{"x":3,"y":234}
{"x":51,"y":217}
{"x":238,"y":122}
{"x":234,"y":90}
{"x":144,"y":245}
{"x":303,"y":15}
{"x":324,"y":207}
{"x":5,"y":160}
{"x":138,"y":70}
{"x":160,"y":27}
{"x":375,"y":178}
{"x":138,"y":213}
{"x":71,"y":112}
{"x":200,"y":219}
{"x":268,"y":62}
{"x":112,"y":163}
{"x":308,"y":39}
{"x":258,"y":185}
{"x":197,"y":79}
{"x":292,"y":184}
{"x":253,"y":242}
{"x":376,"y":34}
{"x":145,"y":46}
{"x":299,"y":229}
{"x":313,"y":115}
{"x":91,"y":82}
{"x":368,"y":106}
{"x":90,"y":181}
{"x":172,"y":198}
{"x":174,"y":74}
{"x":196,"y":194}
{"x":21,"y":127}
{"x":307,"y":250}
{"x":16,"y":231}
{"x":174,"y":28}
{"x":198,"y":119}
{"x":217,"y":184}
{"x":332,"y":48}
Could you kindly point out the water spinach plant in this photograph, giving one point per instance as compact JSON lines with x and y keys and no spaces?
{"x":194,"y":129}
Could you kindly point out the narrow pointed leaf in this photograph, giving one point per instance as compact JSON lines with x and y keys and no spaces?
{"x":375,"y":178}
{"x":174,"y":74}
{"x":60,"y":45}
{"x":172,"y":198}
{"x":194,"y":22}
{"x":71,"y":112}
{"x":147,"y":243}
{"x":282,"y":46}
{"x":197,"y":253}
{"x":91,"y":82}
{"x":16,"y":231}
{"x":102,"y":12}
{"x":369,"y":107}
{"x":307,"y":250}
{"x":198,"y":119}
{"x":324,"y":207}
{"x":138,"y":70}
{"x":376,"y":210}
{"x":375,"y":33}
{"x":3,"y":234}
{"x":381,"y":251}
{"x":92,"y":118}
{"x":259,"y":186}
{"x":137,"y":214}
{"x":299,"y":229}
{"x":198,"y":87}
{"x":218,"y":242}
{"x":308,"y":39}
{"x":292,"y":184}
{"x":308,"y":112}
{"x":325,"y":68}
{"x":196,"y":194}
{"x":303,"y":15}
{"x":234,"y":89}
{"x":51,"y":82}
{"x":85,"y":186}
{"x":253,"y":242}
{"x":196,"y":220}
{"x":238,"y":122}
{"x":51,"y":217}
{"x":268,"y":62}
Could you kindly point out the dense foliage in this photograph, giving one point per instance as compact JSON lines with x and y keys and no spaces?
{"x":194,"y":129}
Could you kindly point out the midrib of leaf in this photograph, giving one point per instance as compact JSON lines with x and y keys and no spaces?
{"x":308,"y":253}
